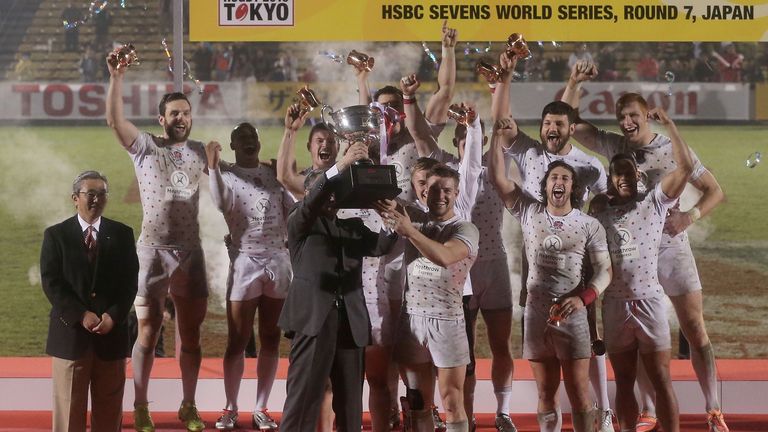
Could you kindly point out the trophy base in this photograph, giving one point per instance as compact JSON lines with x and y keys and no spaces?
{"x":362,"y":185}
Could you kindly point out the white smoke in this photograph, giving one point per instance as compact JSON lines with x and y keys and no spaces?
{"x":36,"y":180}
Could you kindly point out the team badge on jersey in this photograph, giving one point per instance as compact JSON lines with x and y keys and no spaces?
{"x":177,"y":157}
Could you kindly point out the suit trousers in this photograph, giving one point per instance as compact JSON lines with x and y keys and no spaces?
{"x":71,"y":381}
{"x":313,"y":359}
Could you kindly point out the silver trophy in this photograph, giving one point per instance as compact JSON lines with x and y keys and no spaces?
{"x":356,"y":123}
{"x":365,"y":182}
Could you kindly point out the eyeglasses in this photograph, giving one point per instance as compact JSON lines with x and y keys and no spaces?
{"x":94,"y":194}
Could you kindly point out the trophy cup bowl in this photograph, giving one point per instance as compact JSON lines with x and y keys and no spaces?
{"x":123,"y":57}
{"x":491,"y":72}
{"x":360,"y":60}
{"x":355,"y":123}
{"x":364,"y":182}
{"x":517,"y":47}
{"x":462,"y":115}
{"x":308,"y":101}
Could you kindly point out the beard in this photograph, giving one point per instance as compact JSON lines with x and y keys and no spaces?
{"x":175,"y":135}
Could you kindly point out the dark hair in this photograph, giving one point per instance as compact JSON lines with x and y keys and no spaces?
{"x":444,"y":171}
{"x":88,"y":175}
{"x":318,"y":127}
{"x":622,"y":157}
{"x":577,"y":196}
{"x":560,"y":108}
{"x":388,"y":89}
{"x":242,"y":128}
{"x":460,"y":131}
{"x":629,"y":98}
{"x":170,"y":97}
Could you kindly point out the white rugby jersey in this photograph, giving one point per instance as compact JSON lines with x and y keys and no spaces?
{"x":404,"y":158}
{"x":255,"y":207}
{"x":431,"y":290}
{"x":533,"y":159}
{"x":556,"y":246}
{"x":655,"y":160}
{"x":634,"y":234}
{"x":169,"y":179}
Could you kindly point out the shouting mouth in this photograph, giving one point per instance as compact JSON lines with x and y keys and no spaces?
{"x":558,"y":192}
{"x":324,"y":155}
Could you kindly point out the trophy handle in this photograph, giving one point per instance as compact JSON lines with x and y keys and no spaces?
{"x":322,"y":113}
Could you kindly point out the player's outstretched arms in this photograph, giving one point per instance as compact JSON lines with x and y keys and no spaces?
{"x":673,"y":183}
{"x":287,"y":174}
{"x":437,"y":106}
{"x":426,"y":145}
{"x":506,"y":188}
{"x":125,"y":131}
{"x":586,"y":132}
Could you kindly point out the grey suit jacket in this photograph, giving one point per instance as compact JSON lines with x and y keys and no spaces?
{"x":326,"y":255}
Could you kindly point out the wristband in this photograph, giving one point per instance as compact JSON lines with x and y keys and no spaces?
{"x":588,"y":296}
{"x":407,"y":97}
{"x":492,"y":87}
{"x":408,"y":101}
{"x":694,"y":214}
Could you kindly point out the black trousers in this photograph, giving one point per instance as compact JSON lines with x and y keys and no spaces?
{"x":313,"y":359}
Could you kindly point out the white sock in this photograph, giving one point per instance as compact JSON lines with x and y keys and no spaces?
{"x":266,"y":369}
{"x":550,"y":421}
{"x":142,"y":359}
{"x":189,"y":363}
{"x":703,"y":360}
{"x":598,"y":376}
{"x":647,"y":394}
{"x":503,"y":399}
{"x":233,"y":375}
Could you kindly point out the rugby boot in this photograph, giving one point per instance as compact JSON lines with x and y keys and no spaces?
{"x":645,"y":422}
{"x":142,"y":421}
{"x":716,"y":421}
{"x":263,"y":421}
{"x":227,"y":421}
{"x":190,"y":417}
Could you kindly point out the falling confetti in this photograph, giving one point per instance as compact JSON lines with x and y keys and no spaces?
{"x":95,"y":8}
{"x":430,"y":54}
{"x":753,"y":160}
{"x":333,"y":56}
{"x":186,"y":70}
{"x":469,"y":49}
{"x":670,"y":77}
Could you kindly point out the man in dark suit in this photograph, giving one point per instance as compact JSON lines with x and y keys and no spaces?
{"x":325,"y":310}
{"x":89,"y":272}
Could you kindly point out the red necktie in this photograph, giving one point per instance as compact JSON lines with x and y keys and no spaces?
{"x":90,"y":243}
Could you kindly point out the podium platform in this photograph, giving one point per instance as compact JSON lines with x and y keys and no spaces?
{"x":26,"y":386}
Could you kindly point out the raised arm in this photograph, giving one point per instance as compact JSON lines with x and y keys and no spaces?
{"x":437,"y":107}
{"x":221,"y":193}
{"x":586,"y":132}
{"x":673,"y":183}
{"x":471,"y":164}
{"x":125,"y":131}
{"x":363,"y":90}
{"x":500,"y":100}
{"x":417,"y":125}
{"x":506,"y":188}
{"x":287,"y":173}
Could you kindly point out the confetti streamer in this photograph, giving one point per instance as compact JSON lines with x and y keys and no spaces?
{"x":430,"y":54}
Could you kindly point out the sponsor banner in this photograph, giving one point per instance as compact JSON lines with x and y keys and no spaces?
{"x":269,"y":101}
{"x":64,"y":101}
{"x":478,"y":20}
{"x":684,"y":101}
{"x":761,"y":101}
